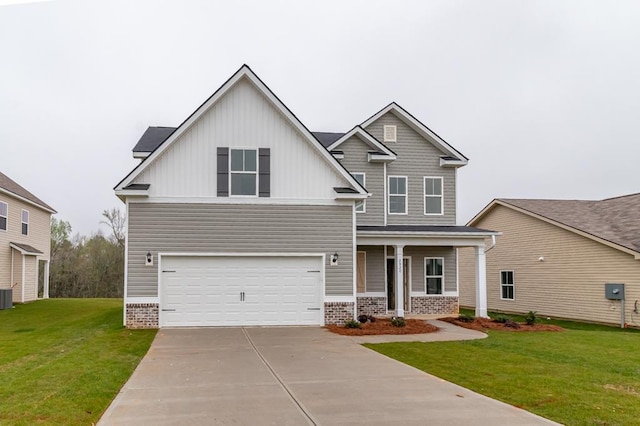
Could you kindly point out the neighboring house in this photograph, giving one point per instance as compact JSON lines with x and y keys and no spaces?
{"x":25,"y":242}
{"x":242,"y":216}
{"x":555,"y":257}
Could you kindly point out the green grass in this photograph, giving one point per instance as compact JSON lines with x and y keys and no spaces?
{"x":586,"y":375}
{"x":62,"y":361}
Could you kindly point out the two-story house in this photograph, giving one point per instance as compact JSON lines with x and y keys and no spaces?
{"x":242,"y":216}
{"x":25,"y":241}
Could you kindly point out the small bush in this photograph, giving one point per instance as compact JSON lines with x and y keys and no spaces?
{"x":466,"y":318}
{"x":398,"y":322}
{"x":501,"y":319}
{"x":352,"y":324}
{"x":530,"y":318}
{"x":511,"y":324}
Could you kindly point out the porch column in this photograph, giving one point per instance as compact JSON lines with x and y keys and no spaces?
{"x":481,"y":283}
{"x":399,"y":249}
{"x":45,"y":291}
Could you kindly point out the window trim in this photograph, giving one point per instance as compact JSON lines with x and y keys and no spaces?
{"x":22,"y":222}
{"x":425,"y":195}
{"x":364,"y":181}
{"x":406,"y":195}
{"x":442,"y":291}
{"x":512,"y":285}
{"x":6,"y":217}
{"x":384,"y":133}
{"x":256,"y":172}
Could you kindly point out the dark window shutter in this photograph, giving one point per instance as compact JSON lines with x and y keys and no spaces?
{"x":223,"y":172}
{"x":264,"y":177}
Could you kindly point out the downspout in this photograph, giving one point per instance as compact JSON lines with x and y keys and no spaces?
{"x":493,"y":244}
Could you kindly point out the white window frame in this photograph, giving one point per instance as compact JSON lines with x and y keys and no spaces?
{"x":512,"y":285}
{"x":406,"y":195}
{"x":6,"y":216}
{"x":442,"y":291}
{"x":22,"y":222}
{"x":232,"y":172}
{"x":441,"y":196}
{"x":361,"y":203}
{"x":395,"y":133}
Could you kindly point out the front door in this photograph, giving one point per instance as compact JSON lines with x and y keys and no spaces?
{"x":391,"y":283}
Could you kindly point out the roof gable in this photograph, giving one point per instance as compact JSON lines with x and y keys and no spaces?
{"x":420,"y":128}
{"x":612,"y":221}
{"x":365,"y":137}
{"x":243,"y":74}
{"x":9,"y":186}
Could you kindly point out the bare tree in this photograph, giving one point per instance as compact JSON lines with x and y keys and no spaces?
{"x":116,"y":221}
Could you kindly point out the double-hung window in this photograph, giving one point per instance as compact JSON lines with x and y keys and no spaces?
{"x":25,"y":222}
{"x":4,"y":210}
{"x":360,"y":208}
{"x":244,"y":172}
{"x":507,"y":285}
{"x":434,"y":275}
{"x":397,"y":195}
{"x":433,"y":196}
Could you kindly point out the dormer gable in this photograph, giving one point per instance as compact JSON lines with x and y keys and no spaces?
{"x":378,"y":152}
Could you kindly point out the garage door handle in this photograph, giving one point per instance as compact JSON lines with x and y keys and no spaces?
{"x":313,"y":309}
{"x":168,"y":310}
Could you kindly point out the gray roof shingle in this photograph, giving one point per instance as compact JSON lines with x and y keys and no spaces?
{"x":152,"y":138}
{"x":10,"y":185}
{"x":327,"y":138}
{"x":612,"y":219}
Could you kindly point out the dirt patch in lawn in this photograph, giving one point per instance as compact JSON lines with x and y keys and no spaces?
{"x":383,"y":326}
{"x":482,"y":324}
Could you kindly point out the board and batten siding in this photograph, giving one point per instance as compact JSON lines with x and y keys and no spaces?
{"x":417,"y":158}
{"x":229,"y":228}
{"x":242,"y":118}
{"x":568,"y":283}
{"x":356,"y":161}
{"x":375,"y":269}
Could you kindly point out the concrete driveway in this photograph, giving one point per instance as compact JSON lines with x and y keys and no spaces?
{"x":290,"y":376}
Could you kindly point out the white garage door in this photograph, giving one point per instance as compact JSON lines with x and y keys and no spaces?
{"x":229,"y":290}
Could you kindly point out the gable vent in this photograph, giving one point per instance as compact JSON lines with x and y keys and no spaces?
{"x":390,"y":133}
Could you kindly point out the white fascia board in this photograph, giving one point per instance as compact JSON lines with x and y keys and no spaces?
{"x":416,"y":125}
{"x":140,"y":154}
{"x":380,"y":158}
{"x":337,"y":156}
{"x":243,"y":72}
{"x":25,"y":200}
{"x":453,"y":163}
{"x":132,"y":192}
{"x":422,"y":240}
{"x":365,"y":137}
{"x":352,"y":196}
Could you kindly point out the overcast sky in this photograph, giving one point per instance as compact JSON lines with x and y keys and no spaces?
{"x":542,"y":96}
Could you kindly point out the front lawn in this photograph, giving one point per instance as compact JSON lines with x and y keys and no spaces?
{"x":62,"y":361}
{"x":586,"y":375}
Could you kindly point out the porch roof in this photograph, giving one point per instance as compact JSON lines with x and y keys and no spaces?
{"x":423,"y":235}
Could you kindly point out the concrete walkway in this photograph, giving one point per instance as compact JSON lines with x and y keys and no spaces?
{"x":294,"y":376}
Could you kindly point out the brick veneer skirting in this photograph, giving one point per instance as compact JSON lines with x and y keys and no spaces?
{"x":143,"y":315}
{"x":372,"y":305}
{"x":434,"y":305}
{"x":338,"y":312}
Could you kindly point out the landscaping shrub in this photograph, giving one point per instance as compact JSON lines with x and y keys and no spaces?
{"x":530,"y":318}
{"x":466,"y":318}
{"x":501,"y":319}
{"x":398,"y":322}
{"x":352,"y":323}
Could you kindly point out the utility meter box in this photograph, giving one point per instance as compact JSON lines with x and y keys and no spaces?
{"x":614,"y":291}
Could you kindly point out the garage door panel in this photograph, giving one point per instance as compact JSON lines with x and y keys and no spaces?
{"x":206,"y":291}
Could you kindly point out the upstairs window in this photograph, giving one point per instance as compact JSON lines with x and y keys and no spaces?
{"x":390,"y":133}
{"x":434,"y":274}
{"x":244,"y":172}
{"x":25,"y":222}
{"x":397,"y":195}
{"x":507,"y":285}
{"x":433,"y":196}
{"x":360,"y":208}
{"x":4,"y":209}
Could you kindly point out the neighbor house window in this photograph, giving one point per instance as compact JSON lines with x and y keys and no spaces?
{"x":433,"y":195}
{"x":244,"y":171}
{"x":434,"y":274}
{"x":25,"y":222}
{"x":361,"y":180}
{"x":507,"y":287}
{"x":4,"y":209}
{"x":390,"y":133}
{"x":397,"y":195}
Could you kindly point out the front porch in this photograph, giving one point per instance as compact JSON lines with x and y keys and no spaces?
{"x":413,"y":270}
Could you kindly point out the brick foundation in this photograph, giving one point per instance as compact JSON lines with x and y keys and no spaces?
{"x":338,"y":312}
{"x":434,"y":305}
{"x":372,"y":305}
{"x":143,"y":315}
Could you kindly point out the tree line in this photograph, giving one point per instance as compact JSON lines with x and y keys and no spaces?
{"x":84,"y":266}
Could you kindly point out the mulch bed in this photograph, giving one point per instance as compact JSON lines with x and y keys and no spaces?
{"x":383,"y":326}
{"x":482,"y":324}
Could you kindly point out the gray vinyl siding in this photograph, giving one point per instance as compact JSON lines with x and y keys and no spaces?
{"x":208,"y":228}
{"x":375,"y":268}
{"x":418,"y":254}
{"x":417,"y":158}
{"x":356,"y":161}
